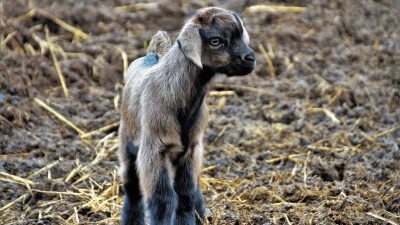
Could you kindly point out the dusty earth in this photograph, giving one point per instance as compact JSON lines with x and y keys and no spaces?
{"x":311,"y":137}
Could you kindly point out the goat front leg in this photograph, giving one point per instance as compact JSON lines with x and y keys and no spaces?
{"x":198,"y":198}
{"x":187,"y":186}
{"x":155,"y":178}
{"x":199,"y":206}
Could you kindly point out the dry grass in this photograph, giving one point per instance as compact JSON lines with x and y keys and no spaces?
{"x":87,"y":192}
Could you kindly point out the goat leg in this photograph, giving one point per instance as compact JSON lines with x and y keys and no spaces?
{"x":185,"y":189}
{"x":133,"y":209}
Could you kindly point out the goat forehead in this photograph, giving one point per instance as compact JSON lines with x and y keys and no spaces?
{"x":224,"y":18}
{"x":235,"y":27}
{"x":206,"y":16}
{"x":208,"y":13}
{"x":228,"y":22}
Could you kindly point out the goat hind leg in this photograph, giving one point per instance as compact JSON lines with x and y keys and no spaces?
{"x":133,"y":208}
{"x":162,"y":202}
{"x":154,"y":170}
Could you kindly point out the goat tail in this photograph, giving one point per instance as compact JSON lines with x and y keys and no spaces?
{"x":159,"y":43}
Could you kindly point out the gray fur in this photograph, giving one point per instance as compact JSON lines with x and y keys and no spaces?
{"x":154,"y":95}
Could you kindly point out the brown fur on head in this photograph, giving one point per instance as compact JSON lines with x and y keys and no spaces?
{"x":215,"y":38}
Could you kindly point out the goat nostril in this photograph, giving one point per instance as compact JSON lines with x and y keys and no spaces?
{"x":249,"y":57}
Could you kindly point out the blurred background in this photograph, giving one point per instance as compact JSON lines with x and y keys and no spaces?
{"x":310,"y":137}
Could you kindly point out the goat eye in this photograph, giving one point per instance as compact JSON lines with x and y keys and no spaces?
{"x":215,"y":42}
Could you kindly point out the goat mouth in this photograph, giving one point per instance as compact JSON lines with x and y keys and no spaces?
{"x":236,"y":69}
{"x":242,"y":69}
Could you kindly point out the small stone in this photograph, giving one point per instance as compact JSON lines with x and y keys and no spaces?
{"x":229,"y":206}
{"x":209,"y":214}
{"x":257,"y":218}
{"x":2,"y":97}
{"x":229,"y":193}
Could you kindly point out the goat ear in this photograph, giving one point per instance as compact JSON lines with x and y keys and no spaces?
{"x":190,"y":42}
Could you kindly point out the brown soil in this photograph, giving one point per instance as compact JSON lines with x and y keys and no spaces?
{"x":311,"y":138}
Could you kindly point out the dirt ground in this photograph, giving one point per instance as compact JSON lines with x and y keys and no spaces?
{"x":310,"y":137}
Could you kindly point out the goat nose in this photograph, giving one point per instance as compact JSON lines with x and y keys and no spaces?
{"x":249,"y":57}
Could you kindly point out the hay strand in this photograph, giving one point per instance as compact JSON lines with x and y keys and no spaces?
{"x":222,"y":93}
{"x":124,"y":57}
{"x":267,"y":58}
{"x":100,"y":130}
{"x":327,"y":112}
{"x":287,"y":219}
{"x":17,"y":179}
{"x":77,"y":32}
{"x":381,"y":218}
{"x":44,"y":169}
{"x":136,"y":6}
{"x":242,"y":88}
{"x":8,"y":38}
{"x":274,"y":9}
{"x":59,"y":116}
{"x":13,"y":202}
{"x":56,"y":64}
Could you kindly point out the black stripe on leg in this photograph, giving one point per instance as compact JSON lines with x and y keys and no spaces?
{"x":133,"y":214}
{"x":132,"y":187}
{"x":133,"y":208}
{"x":199,"y":206}
{"x":163,"y":201}
{"x":185,"y":189}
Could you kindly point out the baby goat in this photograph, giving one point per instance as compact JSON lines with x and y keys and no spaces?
{"x":164,"y":116}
